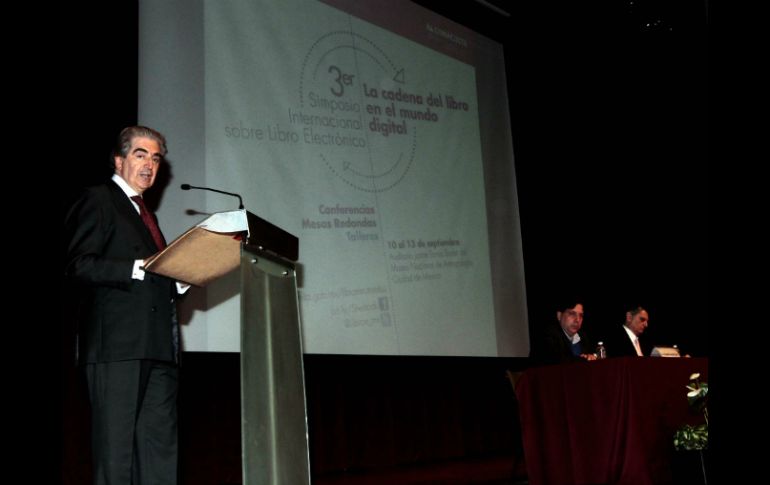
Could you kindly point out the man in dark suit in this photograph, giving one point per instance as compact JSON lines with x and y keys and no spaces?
{"x":128,"y":336}
{"x":558,"y":344}
{"x":626,"y":340}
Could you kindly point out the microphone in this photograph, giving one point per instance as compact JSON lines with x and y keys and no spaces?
{"x":188,"y":187}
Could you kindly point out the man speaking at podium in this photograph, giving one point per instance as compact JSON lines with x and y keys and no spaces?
{"x":128,"y":335}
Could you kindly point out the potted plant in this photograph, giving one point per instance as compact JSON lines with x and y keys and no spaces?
{"x":695,"y":438}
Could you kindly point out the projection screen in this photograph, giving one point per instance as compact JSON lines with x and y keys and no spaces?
{"x":378,"y":133}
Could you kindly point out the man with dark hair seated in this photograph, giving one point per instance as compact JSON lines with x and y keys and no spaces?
{"x":563,"y":342}
{"x":625,"y":340}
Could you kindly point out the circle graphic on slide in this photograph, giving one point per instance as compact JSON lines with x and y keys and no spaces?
{"x":355,"y":105}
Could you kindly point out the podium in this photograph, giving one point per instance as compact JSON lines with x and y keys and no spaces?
{"x":274,"y":432}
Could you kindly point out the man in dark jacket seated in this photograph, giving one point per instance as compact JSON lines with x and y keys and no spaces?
{"x":625,"y":340}
{"x":562,"y":341}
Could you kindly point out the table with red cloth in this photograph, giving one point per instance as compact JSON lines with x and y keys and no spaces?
{"x":609,"y":421}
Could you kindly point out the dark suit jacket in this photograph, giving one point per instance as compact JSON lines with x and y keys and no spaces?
{"x":553,"y":347}
{"x":120,"y":318}
{"x":618,"y":343}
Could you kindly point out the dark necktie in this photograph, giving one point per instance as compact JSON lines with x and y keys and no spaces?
{"x":149,"y":221}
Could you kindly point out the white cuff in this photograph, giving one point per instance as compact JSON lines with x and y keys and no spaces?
{"x":138,"y":272}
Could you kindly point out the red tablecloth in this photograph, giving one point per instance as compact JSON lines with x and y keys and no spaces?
{"x":605,"y":422}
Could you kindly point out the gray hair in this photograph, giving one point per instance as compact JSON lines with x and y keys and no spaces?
{"x":636,"y":310}
{"x":127,"y":135}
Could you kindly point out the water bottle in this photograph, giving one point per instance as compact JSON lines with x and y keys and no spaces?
{"x":601,"y":352}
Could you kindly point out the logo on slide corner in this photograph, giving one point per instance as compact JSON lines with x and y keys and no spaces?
{"x":355,"y":106}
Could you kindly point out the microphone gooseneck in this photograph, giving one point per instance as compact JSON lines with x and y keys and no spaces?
{"x":188,"y":187}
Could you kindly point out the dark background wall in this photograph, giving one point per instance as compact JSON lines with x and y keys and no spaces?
{"x":609,"y":117}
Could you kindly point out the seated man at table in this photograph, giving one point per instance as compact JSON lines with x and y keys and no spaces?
{"x":562,"y":341}
{"x":626,"y":340}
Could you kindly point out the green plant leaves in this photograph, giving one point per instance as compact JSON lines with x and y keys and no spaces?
{"x":692,"y":437}
{"x":695,"y":437}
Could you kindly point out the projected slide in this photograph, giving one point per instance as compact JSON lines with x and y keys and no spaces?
{"x":366,"y":144}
